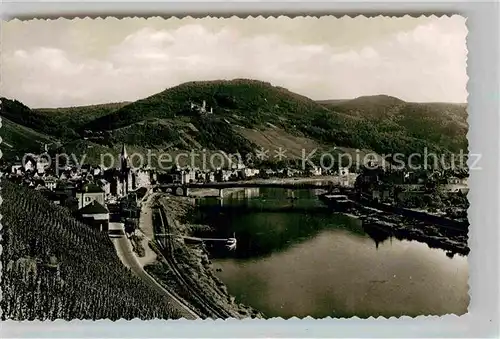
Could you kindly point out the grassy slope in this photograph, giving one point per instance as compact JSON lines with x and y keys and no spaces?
{"x":56,"y":267}
{"x":26,"y":130}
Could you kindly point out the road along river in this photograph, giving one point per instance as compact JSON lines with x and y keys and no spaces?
{"x":129,"y":259}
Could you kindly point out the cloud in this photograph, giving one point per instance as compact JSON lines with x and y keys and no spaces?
{"x":424,"y":64}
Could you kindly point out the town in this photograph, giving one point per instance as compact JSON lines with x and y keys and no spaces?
{"x":97,"y":196}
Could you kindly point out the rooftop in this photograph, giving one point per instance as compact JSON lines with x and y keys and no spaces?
{"x":93,"y":208}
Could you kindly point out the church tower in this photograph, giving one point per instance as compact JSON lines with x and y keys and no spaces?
{"x":124,"y":171}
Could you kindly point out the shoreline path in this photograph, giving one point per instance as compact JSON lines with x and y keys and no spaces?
{"x":129,"y":259}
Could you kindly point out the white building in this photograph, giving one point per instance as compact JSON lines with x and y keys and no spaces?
{"x":208,"y":176}
{"x":17,"y":169}
{"x":344,"y":176}
{"x":455,"y":180}
{"x":29,"y":165}
{"x":238,"y":166}
{"x":251,"y":172}
{"x":50,"y":182}
{"x":97,"y":171}
{"x":252,"y":192}
{"x":41,"y":165}
{"x":142,"y":179}
{"x":455,"y":184}
{"x":224,"y":175}
{"x":188,"y":176}
{"x":316,"y":170}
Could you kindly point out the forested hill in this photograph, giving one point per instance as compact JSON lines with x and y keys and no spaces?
{"x":381,"y":123}
{"x":397,"y":123}
{"x":62,"y":122}
{"x":18,"y":139}
{"x":54,"y":267}
{"x":20,"y":114}
{"x":75,"y":117}
{"x":246,"y":114}
{"x":255,"y":102}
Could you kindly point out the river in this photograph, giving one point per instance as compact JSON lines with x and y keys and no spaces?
{"x":296,"y":258}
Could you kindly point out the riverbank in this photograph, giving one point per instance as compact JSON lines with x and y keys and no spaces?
{"x":211,"y":298}
{"x":381,"y":224}
{"x":194,"y":261}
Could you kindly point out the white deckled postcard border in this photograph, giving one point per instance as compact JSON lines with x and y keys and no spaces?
{"x":483,"y":70}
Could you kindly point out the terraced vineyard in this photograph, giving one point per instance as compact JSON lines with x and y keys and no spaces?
{"x":56,"y":267}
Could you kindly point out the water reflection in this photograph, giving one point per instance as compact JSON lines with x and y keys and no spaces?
{"x":378,"y":235}
{"x":269,"y":223}
{"x":322,"y":264}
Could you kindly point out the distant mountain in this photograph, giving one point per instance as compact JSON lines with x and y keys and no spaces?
{"x":375,"y":105}
{"x":76,"y":117}
{"x":435,"y":125}
{"x":21,"y":114}
{"x":63,"y":269}
{"x":63,"y":123}
{"x":27,"y":130}
{"x":243,"y":115}
{"x":18,"y":139}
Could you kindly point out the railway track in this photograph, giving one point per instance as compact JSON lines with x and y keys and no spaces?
{"x":190,"y":287}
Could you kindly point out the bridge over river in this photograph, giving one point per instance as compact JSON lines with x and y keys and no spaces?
{"x":183,"y":189}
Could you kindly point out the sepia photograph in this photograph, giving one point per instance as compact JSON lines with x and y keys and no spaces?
{"x":207,"y":168}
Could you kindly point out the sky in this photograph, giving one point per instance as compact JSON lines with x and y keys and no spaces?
{"x":60,"y":63}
